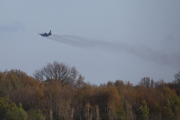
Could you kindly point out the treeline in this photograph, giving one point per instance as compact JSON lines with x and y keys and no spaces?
{"x":58,"y":92}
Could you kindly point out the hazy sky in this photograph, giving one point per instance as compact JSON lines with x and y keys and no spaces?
{"x":105,"y":40}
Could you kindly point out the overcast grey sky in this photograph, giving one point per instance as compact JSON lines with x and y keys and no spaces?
{"x":105,"y":40}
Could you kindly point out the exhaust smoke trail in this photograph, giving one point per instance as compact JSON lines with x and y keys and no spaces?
{"x":16,"y":26}
{"x":142,"y":52}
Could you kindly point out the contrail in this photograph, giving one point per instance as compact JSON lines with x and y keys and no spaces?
{"x":16,"y":26}
{"x":142,"y":52}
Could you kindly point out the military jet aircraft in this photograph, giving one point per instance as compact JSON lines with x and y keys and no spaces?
{"x":45,"y":34}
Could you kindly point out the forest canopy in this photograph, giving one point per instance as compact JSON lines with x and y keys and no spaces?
{"x":58,"y":92}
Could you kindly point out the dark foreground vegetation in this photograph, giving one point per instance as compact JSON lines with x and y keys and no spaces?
{"x":58,"y":92}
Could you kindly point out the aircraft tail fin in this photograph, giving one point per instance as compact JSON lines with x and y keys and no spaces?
{"x":50,"y":32}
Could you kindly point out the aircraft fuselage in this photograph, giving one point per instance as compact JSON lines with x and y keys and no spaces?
{"x":45,"y":34}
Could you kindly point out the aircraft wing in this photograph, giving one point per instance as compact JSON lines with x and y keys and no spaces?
{"x":40,"y":33}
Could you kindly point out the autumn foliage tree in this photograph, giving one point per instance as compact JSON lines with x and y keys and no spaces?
{"x":59,"y":92}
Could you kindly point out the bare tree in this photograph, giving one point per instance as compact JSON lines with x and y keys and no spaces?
{"x":57,"y":71}
{"x":177,"y":78}
{"x":159,"y":83}
{"x":146,"y":82}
